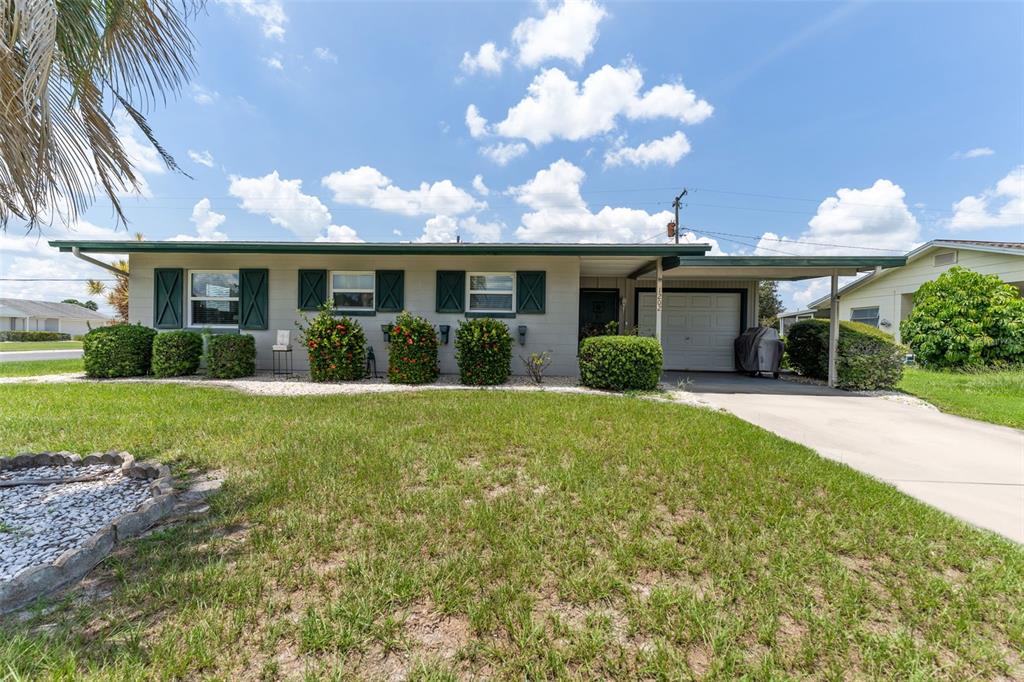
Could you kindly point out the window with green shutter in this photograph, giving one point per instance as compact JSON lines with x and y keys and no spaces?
{"x":451,"y":291}
{"x":312,"y":289}
{"x":390,"y":291}
{"x":253,"y":298}
{"x":530,"y":297}
{"x":167,"y":283}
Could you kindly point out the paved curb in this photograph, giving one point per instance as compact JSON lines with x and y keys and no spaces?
{"x":71,"y":566}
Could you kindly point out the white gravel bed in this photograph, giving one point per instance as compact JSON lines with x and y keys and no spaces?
{"x":38,"y":523}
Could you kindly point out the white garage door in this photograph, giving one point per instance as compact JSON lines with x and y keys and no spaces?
{"x":698,"y":328}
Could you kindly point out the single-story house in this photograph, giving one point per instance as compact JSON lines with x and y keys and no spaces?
{"x":788,"y":319}
{"x":547,"y":293}
{"x":18,"y":314}
{"x":884,"y":298}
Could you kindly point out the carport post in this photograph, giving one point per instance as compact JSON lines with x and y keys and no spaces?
{"x":833,"y":329}
{"x":657,"y":304}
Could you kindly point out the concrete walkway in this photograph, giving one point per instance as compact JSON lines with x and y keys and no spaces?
{"x":18,"y":355}
{"x":970,"y":469}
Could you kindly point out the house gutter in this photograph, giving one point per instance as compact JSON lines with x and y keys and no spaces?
{"x":94,"y":261}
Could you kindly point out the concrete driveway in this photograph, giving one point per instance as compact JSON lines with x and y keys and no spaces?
{"x":18,"y":355}
{"x":970,"y":469}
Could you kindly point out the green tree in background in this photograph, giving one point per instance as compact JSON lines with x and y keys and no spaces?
{"x":769,"y":304}
{"x":91,"y":305}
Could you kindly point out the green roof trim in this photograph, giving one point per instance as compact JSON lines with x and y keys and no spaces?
{"x":385,"y":248}
{"x":839,"y":262}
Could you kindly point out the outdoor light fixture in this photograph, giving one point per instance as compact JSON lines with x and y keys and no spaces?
{"x":522,"y":335}
{"x":443,"y":330}
{"x":385,"y":329}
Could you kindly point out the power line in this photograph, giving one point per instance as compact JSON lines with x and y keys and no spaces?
{"x":53,"y":279}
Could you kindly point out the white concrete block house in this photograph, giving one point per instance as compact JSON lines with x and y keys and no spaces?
{"x":551,"y":290}
{"x":18,"y":314}
{"x":885,"y":298}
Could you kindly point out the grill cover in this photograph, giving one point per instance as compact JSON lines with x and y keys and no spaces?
{"x":759,"y":349}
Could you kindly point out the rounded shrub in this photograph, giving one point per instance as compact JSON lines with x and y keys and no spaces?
{"x":483,"y":351}
{"x":336,"y":347}
{"x":412,"y":352}
{"x":176,"y":353}
{"x":120,"y":350}
{"x":230,"y":356}
{"x":621,"y":363}
{"x":964,"y":319}
{"x":868,"y":358}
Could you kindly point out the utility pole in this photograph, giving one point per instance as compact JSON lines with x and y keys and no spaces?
{"x":675,"y":205}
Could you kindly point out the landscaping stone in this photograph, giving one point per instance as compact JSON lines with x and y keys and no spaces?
{"x":52,"y":534}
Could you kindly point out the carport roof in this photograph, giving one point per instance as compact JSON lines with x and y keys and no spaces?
{"x":767,"y":267}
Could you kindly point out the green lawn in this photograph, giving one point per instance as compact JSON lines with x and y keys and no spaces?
{"x":515,"y":535}
{"x":996,"y":397}
{"x":24,"y":368}
{"x":11,"y":346}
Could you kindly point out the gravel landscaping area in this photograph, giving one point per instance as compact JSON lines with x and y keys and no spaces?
{"x":41,"y":522}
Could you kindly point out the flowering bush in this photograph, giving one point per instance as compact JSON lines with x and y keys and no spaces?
{"x":336,"y":347}
{"x":483,"y":350}
{"x":412,"y":355}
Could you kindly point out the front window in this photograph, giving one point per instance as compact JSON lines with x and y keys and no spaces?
{"x":352,"y":290}
{"x":491,"y":292}
{"x":865,"y":315}
{"x":213,"y":298}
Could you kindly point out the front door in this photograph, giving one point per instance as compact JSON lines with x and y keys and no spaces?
{"x":597,"y":308}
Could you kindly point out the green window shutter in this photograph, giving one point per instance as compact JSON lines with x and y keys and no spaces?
{"x":253,"y":298}
{"x":390,"y":291}
{"x":167,"y":294}
{"x":312,"y":289}
{"x":530,"y":291}
{"x":451,"y":291}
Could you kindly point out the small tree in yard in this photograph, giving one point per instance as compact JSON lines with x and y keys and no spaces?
{"x":412,"y":353}
{"x":769,"y":304}
{"x":966,"y":319}
{"x":336,"y":347}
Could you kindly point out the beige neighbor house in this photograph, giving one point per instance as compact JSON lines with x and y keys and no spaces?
{"x":17,"y":314}
{"x":546,"y":293}
{"x":885,"y":298}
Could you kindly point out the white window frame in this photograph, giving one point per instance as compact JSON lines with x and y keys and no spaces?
{"x":470,"y":291}
{"x":878,"y":315}
{"x":188,"y":283}
{"x":372,"y":290}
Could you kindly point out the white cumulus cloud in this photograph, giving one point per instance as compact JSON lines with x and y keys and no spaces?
{"x":975,"y":153}
{"x":476,"y":123}
{"x":487,"y":60}
{"x":667,"y":151}
{"x":203,"y":96}
{"x":274,"y":63}
{"x":203,"y":158}
{"x":566,"y":32}
{"x":206,"y":221}
{"x":325,"y":55}
{"x":339,"y":233}
{"x":479,"y":186}
{"x":557,"y":107}
{"x":1001,"y":206}
{"x":367,"y":186}
{"x":270,"y":13}
{"x":481,"y":232}
{"x":284,"y":203}
{"x":503,"y":152}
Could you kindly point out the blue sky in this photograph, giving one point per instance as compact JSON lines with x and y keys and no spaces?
{"x":798,"y":128}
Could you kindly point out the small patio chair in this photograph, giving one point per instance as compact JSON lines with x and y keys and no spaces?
{"x":283,"y":353}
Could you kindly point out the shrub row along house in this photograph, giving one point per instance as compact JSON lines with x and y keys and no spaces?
{"x":548,"y":294}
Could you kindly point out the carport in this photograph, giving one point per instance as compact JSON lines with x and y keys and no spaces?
{"x":716,"y":300}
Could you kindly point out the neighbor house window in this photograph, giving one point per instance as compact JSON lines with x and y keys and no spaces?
{"x":213,"y":298}
{"x":865,"y":315}
{"x":491,"y":292}
{"x":352,"y":290}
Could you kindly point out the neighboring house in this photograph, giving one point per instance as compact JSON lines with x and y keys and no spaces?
{"x":18,"y":314}
{"x":787,"y":320}
{"x":885,"y":298}
{"x":547,"y":293}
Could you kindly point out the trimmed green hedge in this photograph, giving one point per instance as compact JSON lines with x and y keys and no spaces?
{"x":483,"y":351}
{"x":868,"y":358}
{"x":176,"y":353}
{"x":34,"y":336}
{"x":120,"y":350}
{"x":412,"y":351}
{"x":621,"y":363}
{"x":230,"y":356}
{"x":336,"y":346}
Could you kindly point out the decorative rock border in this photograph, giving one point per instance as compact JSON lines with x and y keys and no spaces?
{"x":41,"y":579}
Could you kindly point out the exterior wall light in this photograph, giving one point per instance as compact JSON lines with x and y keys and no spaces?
{"x":385,"y":329}
{"x":443,"y":330}
{"x":522,"y":335}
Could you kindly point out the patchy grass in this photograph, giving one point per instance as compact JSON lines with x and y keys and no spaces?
{"x":446,"y":535}
{"x":11,"y":346}
{"x":991,"y":396}
{"x":25,"y":368}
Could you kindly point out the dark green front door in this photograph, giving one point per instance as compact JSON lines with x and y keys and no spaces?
{"x":597,"y":308}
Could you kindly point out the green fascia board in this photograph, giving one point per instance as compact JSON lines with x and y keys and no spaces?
{"x":839,"y":262}
{"x":387,"y":248}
